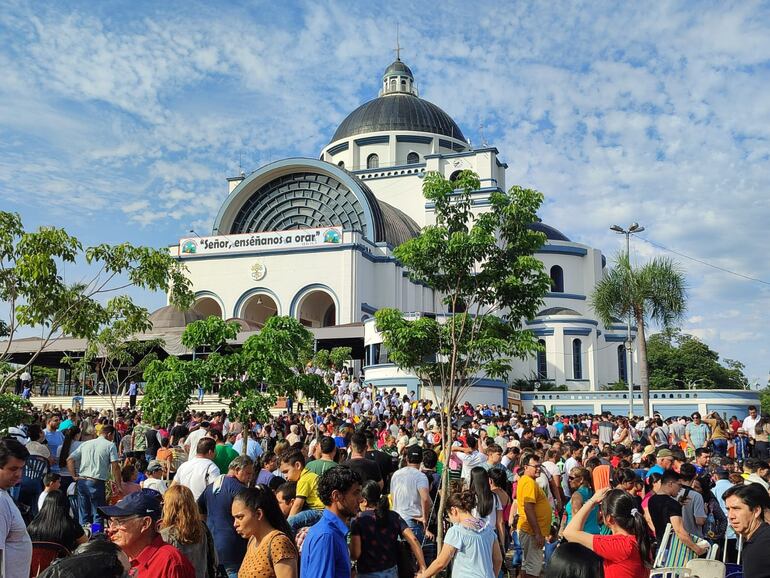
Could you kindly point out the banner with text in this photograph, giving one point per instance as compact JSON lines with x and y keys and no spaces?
{"x":256,"y":242}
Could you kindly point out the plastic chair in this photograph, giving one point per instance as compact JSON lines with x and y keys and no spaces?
{"x":35,"y":468}
{"x":671,"y":573}
{"x":707,"y":568}
{"x":43,"y":555}
{"x":601,"y":477}
{"x":673,"y":553}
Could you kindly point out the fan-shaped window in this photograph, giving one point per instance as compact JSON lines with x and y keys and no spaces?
{"x":454,"y":176}
{"x":557,"y":279}
{"x":622,"y":369}
{"x":557,"y":311}
{"x":372,"y":162}
{"x":341,"y":164}
{"x":412,"y":159}
{"x":577,"y":359}
{"x":542,"y":361}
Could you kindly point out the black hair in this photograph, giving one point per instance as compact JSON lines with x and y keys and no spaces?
{"x":205,"y":445}
{"x":99,"y":553}
{"x":527,"y":458}
{"x":687,"y":472}
{"x":54,"y":522}
{"x":472,"y":442}
{"x":66,"y":447}
{"x":485,"y":498}
{"x":429,"y":458}
{"x":622,"y":507}
{"x":573,"y":560}
{"x":327,"y":445}
{"x":463,"y":500}
{"x":669,"y":476}
{"x":340,"y":478}
{"x":12,"y":448}
{"x":700,"y":451}
{"x":753,"y":495}
{"x":500,"y":478}
{"x":625,"y":476}
{"x":288,"y":490}
{"x":50,"y":478}
{"x":358,"y":442}
{"x":291,"y":457}
{"x":372,"y":493}
{"x":262,"y":498}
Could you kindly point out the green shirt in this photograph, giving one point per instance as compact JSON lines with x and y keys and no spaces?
{"x":139,"y":437}
{"x":318,"y":467}
{"x":223,"y":455}
{"x":94,"y":458}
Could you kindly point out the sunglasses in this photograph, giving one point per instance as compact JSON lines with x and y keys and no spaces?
{"x":573,"y":478}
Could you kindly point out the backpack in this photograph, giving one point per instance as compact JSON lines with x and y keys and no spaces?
{"x":716,"y":523}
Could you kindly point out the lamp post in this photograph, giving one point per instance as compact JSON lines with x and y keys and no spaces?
{"x":634,"y":228}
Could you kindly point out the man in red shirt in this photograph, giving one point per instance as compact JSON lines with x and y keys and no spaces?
{"x":133,"y":525}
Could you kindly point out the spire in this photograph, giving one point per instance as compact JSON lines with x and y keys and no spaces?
{"x":398,"y":45}
{"x":398,"y":77}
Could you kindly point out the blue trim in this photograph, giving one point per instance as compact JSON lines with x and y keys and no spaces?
{"x":251,"y":292}
{"x":414,"y":138}
{"x":457,"y":147}
{"x":556,"y":295}
{"x":367,"y":140}
{"x":407,"y":382}
{"x":542,"y":332}
{"x":366,"y":308}
{"x":563,"y":250}
{"x":343,"y":146}
{"x":618,"y":327}
{"x":609,"y":338}
{"x":580,"y":331}
{"x":580,"y":321}
{"x":463,"y":154}
{"x":358,"y":172}
{"x":365,"y":367}
{"x":212,"y":295}
{"x":307,"y":289}
{"x":301,"y":164}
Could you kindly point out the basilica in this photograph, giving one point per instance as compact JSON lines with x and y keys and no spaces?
{"x":314,"y":237}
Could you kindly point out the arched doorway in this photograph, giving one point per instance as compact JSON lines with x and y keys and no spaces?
{"x":207,"y":307}
{"x":317,"y":309}
{"x":259,"y":308}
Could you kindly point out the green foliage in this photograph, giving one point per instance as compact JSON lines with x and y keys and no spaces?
{"x":485,"y":268}
{"x":269,"y":364}
{"x":678,"y":360}
{"x":617,"y":386}
{"x":32,"y":285}
{"x":764,"y":397}
{"x":655,"y":292}
{"x":13,"y":411}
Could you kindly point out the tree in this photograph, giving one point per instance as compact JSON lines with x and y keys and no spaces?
{"x":269,"y":364}
{"x":484,"y":269}
{"x":33,"y":288}
{"x":655,"y":291}
{"x":14,"y":410}
{"x":677,"y":360}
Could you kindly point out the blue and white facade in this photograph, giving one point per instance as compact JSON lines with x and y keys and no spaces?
{"x":314,"y":238}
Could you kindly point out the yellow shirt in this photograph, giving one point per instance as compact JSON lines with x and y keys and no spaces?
{"x":528,"y":492}
{"x":307,"y":487}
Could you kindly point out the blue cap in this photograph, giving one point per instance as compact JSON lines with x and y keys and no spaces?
{"x":142,"y":503}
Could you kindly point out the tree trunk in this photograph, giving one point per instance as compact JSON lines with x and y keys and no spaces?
{"x":644,"y":378}
{"x":446,"y":434}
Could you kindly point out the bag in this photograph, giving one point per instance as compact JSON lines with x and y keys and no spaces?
{"x":716,"y":523}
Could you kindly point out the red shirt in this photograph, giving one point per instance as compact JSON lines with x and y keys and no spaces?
{"x":620,"y":556}
{"x":161,"y":560}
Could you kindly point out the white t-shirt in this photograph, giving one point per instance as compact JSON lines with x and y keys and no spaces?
{"x":405,"y":487}
{"x":491,"y":518}
{"x":14,"y":540}
{"x":196,"y":474}
{"x":159,"y":486}
{"x":193,"y":440}
{"x":750,"y":424}
{"x":470,"y":461}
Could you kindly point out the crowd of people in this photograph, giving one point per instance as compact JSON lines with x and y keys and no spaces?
{"x":355,"y":490}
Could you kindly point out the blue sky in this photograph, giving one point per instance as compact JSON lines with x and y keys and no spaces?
{"x":120,"y":121}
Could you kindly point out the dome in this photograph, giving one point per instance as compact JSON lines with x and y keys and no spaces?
{"x":398,"y":68}
{"x":398,"y":112}
{"x":399,"y":227}
{"x":169,"y":317}
{"x":557,"y":311}
{"x":551,"y":233}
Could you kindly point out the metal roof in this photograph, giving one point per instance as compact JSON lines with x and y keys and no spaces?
{"x":398,"y":112}
{"x":398,"y":68}
{"x":551,"y":233}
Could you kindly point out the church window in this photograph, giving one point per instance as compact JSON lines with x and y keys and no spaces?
{"x":341,"y":164}
{"x":393,"y":84}
{"x":557,"y":279}
{"x":372,"y":161}
{"x":577,"y":359}
{"x":542,"y":362}
{"x":622,"y":371}
{"x":454,"y":176}
{"x":412,"y":159}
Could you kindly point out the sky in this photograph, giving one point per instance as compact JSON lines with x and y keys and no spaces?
{"x":121,"y":121}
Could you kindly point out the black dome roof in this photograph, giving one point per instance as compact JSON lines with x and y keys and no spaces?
{"x":398,"y":112}
{"x":551,"y":233}
{"x":398,"y":68}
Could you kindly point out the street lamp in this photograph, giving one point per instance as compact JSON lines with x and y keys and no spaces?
{"x":634,"y":228}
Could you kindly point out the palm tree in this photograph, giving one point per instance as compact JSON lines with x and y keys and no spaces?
{"x":655,"y":291}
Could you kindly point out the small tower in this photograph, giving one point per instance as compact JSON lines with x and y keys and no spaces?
{"x":398,"y":79}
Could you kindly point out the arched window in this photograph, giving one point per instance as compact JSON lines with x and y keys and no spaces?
{"x":622,"y":368}
{"x":557,"y":279}
{"x":577,"y":359}
{"x":542,"y":361}
{"x":393,"y":84}
{"x":372,"y":161}
{"x":341,"y":164}
{"x":412,"y":159}
{"x":454,"y":176}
